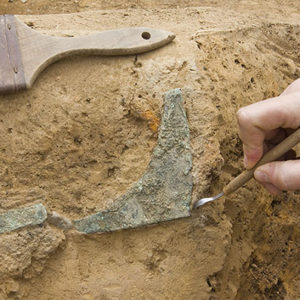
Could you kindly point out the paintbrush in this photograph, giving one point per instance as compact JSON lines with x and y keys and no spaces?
{"x":24,"y":52}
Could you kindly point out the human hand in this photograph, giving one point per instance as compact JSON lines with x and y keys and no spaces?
{"x":265,"y":124}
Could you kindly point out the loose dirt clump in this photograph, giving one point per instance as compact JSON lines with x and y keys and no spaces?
{"x":85,"y":132}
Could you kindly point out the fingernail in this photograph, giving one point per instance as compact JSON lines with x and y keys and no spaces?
{"x":248,"y":163}
{"x":261,"y":176}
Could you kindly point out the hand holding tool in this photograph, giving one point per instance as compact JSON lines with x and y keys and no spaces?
{"x":275,"y":153}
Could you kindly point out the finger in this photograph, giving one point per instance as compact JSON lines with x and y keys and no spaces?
{"x":292,"y":88}
{"x":284,"y":175}
{"x":257,"y":120}
{"x":271,"y":188}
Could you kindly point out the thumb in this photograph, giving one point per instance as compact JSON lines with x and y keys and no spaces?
{"x":284,"y":175}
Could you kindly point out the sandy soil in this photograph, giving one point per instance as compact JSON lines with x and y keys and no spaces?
{"x":84,"y":133}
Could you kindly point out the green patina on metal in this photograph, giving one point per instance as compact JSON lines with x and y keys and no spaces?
{"x":26,"y":216}
{"x":164,"y":192}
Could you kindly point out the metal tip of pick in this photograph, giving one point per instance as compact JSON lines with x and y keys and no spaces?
{"x":205,"y":200}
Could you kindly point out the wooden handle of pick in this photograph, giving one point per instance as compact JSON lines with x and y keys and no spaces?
{"x":291,"y":141}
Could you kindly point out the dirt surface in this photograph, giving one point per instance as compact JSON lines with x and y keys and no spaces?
{"x":85,"y":132}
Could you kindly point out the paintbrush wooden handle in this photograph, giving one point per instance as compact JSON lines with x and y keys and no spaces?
{"x":275,"y":153}
{"x":24,"y":52}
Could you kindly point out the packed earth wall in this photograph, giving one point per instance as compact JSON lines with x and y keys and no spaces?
{"x":85,"y":132}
